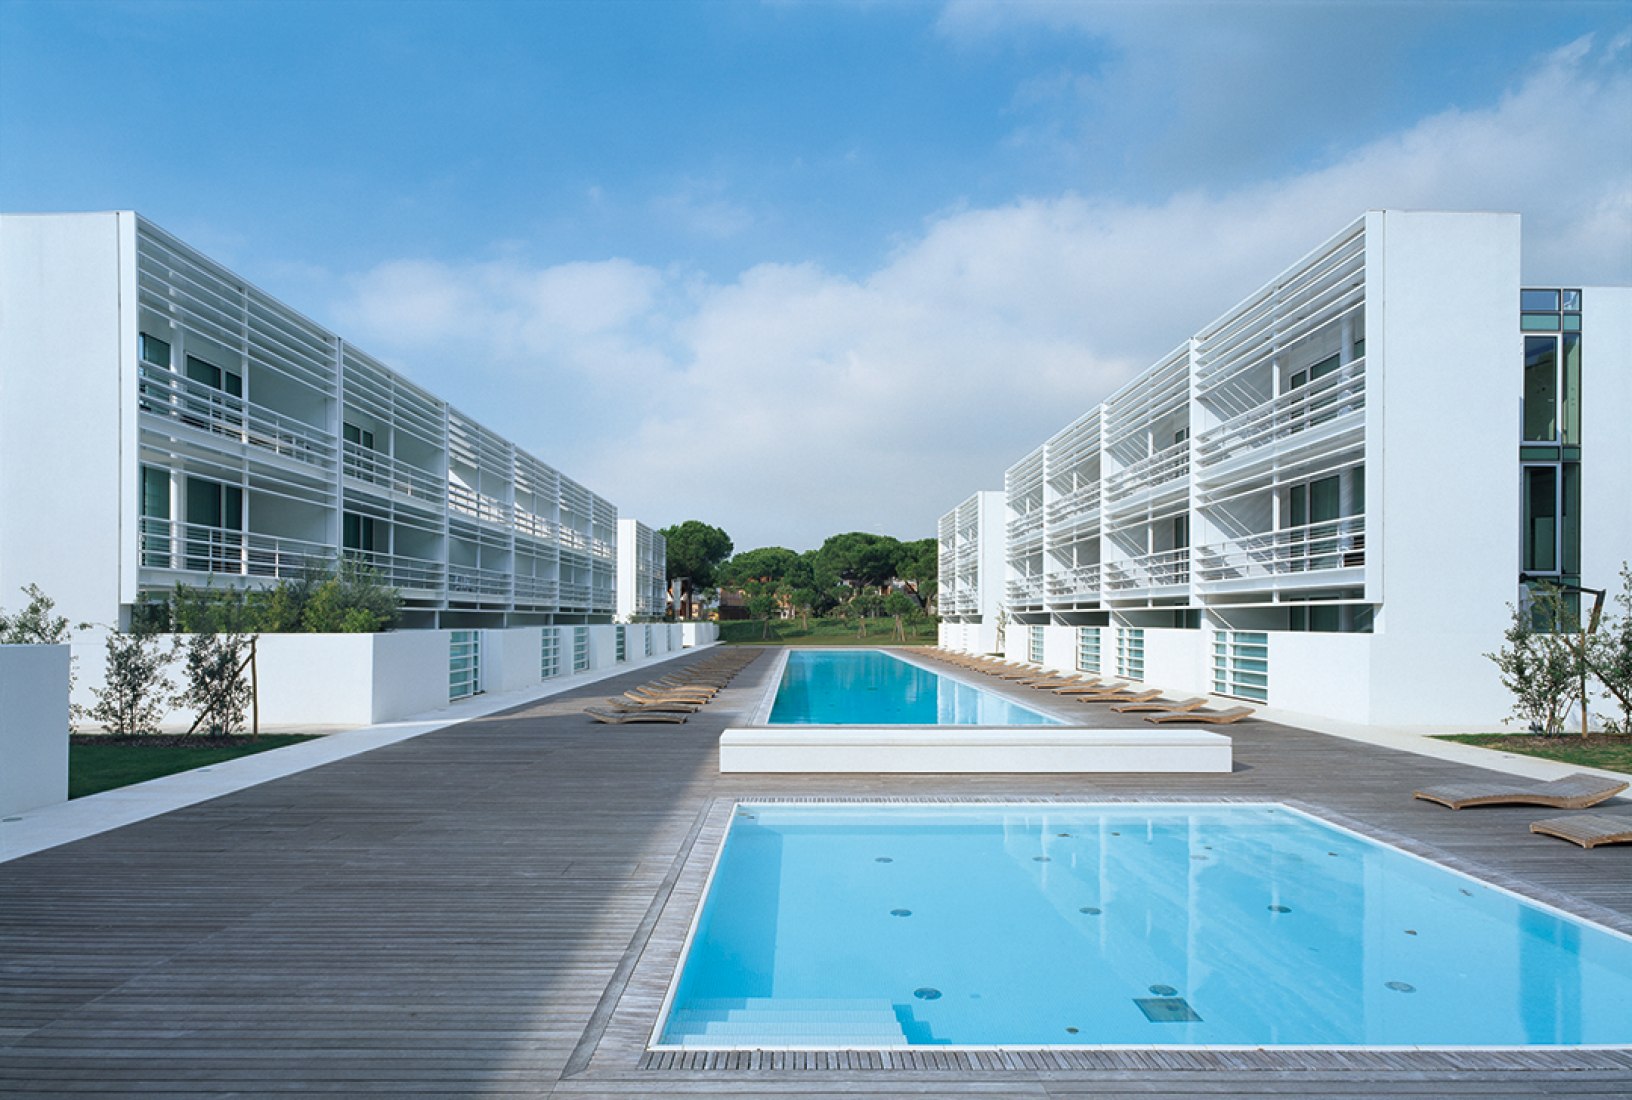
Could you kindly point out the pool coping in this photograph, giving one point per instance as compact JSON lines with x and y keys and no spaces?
{"x":621,"y":1037}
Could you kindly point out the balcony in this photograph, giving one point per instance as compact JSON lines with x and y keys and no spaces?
{"x":1025,"y":594}
{"x":1311,"y":552}
{"x":1076,"y":508}
{"x":164,"y":393}
{"x":1026,"y":527}
{"x":537,"y":590}
{"x":194,"y":548}
{"x":1080,"y":584}
{"x":1337,"y":397}
{"x":575,"y":595}
{"x":389,"y":473}
{"x":1137,"y":576}
{"x":400,"y":572}
{"x":478,"y":506}
{"x":1168,"y":465}
{"x":469,"y":581}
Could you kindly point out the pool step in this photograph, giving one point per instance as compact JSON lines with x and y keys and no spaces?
{"x":751,"y":1021}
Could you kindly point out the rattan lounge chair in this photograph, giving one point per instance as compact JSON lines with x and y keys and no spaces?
{"x":1167,"y":705}
{"x":1211,"y":717}
{"x":620,"y":717}
{"x":1573,"y":792}
{"x":1587,"y":830}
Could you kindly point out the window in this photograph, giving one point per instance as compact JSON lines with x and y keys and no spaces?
{"x":357,"y":532}
{"x":1088,"y":649}
{"x":464,"y":663}
{"x":215,"y":520}
{"x":1540,"y":517}
{"x":1035,"y":648}
{"x":549,"y":654}
{"x":1241,"y":664}
{"x":1540,"y":389}
{"x":360,"y":436}
{"x":620,"y":644}
{"x":208,"y":374}
{"x":155,"y":492}
{"x":580,"y":648}
{"x":153,"y":350}
{"x":1130,"y":653}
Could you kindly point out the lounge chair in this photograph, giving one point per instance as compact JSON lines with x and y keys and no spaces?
{"x":1573,"y":792}
{"x":1123,"y":696}
{"x":630,"y":702}
{"x":1093,"y":687}
{"x":1164,"y":705}
{"x":1587,"y":830}
{"x":620,"y":717}
{"x":1199,"y":714}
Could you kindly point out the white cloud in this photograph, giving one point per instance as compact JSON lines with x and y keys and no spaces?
{"x":791,"y":402}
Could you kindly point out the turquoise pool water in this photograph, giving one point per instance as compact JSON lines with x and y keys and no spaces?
{"x":1141,"y":924}
{"x":868,"y":687}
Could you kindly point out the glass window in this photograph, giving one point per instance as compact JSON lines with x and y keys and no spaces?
{"x":1297,"y":506}
{"x":1572,"y":390}
{"x":360,"y":436}
{"x":1570,"y":525}
{"x":1324,"y":501}
{"x":155,"y":493}
{"x":210,"y":375}
{"x":357,"y":532}
{"x":1540,"y":519}
{"x":1357,"y":491}
{"x":1323,"y":368}
{"x":1538,"y":322}
{"x":1572,"y":299}
{"x":1540,"y":389}
{"x":1538,"y":299}
{"x":154,"y":350}
{"x":1572,"y":322}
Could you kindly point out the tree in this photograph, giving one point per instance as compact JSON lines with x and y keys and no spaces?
{"x":766,"y":565}
{"x":135,"y":694}
{"x":216,"y":685}
{"x":918,"y":565}
{"x":694,"y":552}
{"x":762,"y":605}
{"x":1540,"y":662}
{"x":899,"y":605}
{"x":860,"y":559}
{"x":36,"y":624}
{"x":1609,"y":655}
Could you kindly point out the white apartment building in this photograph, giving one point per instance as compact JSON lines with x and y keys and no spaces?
{"x":970,"y":559}
{"x":643,"y":588}
{"x":163,"y":421}
{"x":1328,"y":499}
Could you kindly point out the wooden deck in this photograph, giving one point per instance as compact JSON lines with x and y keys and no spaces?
{"x":492,"y":910}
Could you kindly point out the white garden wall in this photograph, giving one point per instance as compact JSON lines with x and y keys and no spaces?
{"x":33,"y":726}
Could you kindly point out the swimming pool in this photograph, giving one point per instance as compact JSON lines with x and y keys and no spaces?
{"x":1133,"y":924}
{"x":872,"y":688}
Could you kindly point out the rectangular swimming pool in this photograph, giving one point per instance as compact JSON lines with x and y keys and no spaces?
{"x":1133,"y":924}
{"x":869,"y":687}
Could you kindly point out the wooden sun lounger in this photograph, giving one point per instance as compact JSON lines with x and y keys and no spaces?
{"x":631,"y":702}
{"x":1211,"y":717}
{"x":1093,"y":687}
{"x":1167,"y":705}
{"x":620,"y":717}
{"x":1587,"y":830}
{"x":1573,"y":792}
{"x":1144,"y":696}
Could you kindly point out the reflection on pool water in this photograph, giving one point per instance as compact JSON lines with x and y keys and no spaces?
{"x":1124,"y":924}
{"x":869,"y":687}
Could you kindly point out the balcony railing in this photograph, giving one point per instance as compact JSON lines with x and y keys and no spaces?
{"x":1025,"y":526}
{"x":575,"y":595}
{"x":401,"y":572}
{"x":194,"y":548}
{"x":1079,"y":583}
{"x":1311,"y":548}
{"x":168,"y":394}
{"x":1163,"y":569}
{"x":1075,"y":506}
{"x":1025,"y":593}
{"x":467,"y":580}
{"x":1167,"y":464}
{"x":479,"y":506}
{"x":537,"y":590}
{"x":400,"y":477}
{"x":1319,"y":402}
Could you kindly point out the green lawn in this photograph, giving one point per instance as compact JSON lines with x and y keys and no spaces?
{"x":880,"y":632}
{"x":1601,"y":750}
{"x":102,"y":767}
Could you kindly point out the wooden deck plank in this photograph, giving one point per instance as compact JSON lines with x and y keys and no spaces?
{"x":462,"y":914}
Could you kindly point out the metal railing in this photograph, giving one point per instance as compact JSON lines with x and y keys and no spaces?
{"x":537,"y":590}
{"x":165,"y":393}
{"x":194,"y":548}
{"x":1309,"y":406}
{"x":479,"y":506}
{"x":1024,"y":526}
{"x":399,"y":571}
{"x":1080,"y":582}
{"x":1159,"y":570}
{"x":1025,"y":593}
{"x":468,"y":580}
{"x":574,"y":595}
{"x":1167,"y":464}
{"x":1076,"y":505}
{"x":1311,"y":548}
{"x":400,"y":477}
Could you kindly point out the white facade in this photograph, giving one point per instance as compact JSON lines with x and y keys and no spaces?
{"x":163,"y":421}
{"x":1315,"y":502}
{"x":970,"y":551}
{"x":643,"y":590}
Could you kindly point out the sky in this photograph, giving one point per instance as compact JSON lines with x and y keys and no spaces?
{"x":797,"y":268}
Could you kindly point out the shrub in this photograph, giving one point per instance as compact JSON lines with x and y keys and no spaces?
{"x":1540,"y":662}
{"x":1609,"y":655}
{"x":217,"y":688}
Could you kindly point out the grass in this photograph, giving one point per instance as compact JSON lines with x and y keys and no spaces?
{"x":880,"y":632}
{"x":1601,"y":750}
{"x":94,"y":766}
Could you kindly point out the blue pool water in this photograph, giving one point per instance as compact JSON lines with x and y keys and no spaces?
{"x":1142,"y":924}
{"x":868,"y":687}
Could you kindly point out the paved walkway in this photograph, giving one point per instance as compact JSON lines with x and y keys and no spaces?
{"x":479,"y":910}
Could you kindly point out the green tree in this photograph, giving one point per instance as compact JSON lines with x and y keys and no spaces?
{"x":694,"y":551}
{"x":353,"y":601}
{"x":860,"y":559}
{"x":1539,"y":661}
{"x":1609,"y":654}
{"x":918,"y":567}
{"x":36,"y":623}
{"x":135,"y":693}
{"x":217,"y":687}
{"x":899,"y":605}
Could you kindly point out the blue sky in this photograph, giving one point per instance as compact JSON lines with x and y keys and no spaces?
{"x":910,"y":239}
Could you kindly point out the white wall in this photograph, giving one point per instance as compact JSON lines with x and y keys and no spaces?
{"x":510,"y":658}
{"x":1444,"y":386}
{"x":1606,"y":436}
{"x":1175,"y":660}
{"x":1325,"y":674}
{"x":64,"y":516}
{"x":33,"y":726}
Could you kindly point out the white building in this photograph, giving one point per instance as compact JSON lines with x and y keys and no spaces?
{"x":971,"y":562}
{"x":163,"y":421}
{"x":643,"y":589}
{"x":1328,"y":499}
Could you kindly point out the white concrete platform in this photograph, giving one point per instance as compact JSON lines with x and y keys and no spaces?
{"x":946,"y":749}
